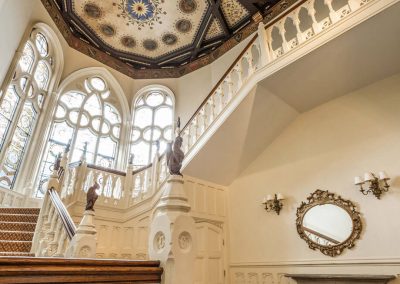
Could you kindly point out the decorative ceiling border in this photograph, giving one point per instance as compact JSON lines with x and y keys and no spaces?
{"x":177,"y":72}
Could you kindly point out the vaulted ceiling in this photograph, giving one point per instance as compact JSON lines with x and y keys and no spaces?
{"x":159,"y":38}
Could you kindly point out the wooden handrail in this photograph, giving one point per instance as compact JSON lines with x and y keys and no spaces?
{"x":220,"y":81}
{"x":336,"y":242}
{"x":104,"y":169}
{"x":62,"y":212}
{"x":146,"y":167}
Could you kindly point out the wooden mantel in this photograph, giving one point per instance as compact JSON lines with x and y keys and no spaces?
{"x":340,"y":278}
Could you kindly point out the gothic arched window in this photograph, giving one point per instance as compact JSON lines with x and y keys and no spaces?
{"x":21,"y":102}
{"x":153,"y":116}
{"x":87,"y":118}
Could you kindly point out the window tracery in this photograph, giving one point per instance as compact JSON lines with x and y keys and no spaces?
{"x":21,"y":103}
{"x":153,"y":116}
{"x":87,"y":118}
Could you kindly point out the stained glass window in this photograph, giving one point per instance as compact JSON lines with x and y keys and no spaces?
{"x":152,"y":124}
{"x":89,"y":119}
{"x":21,"y":105}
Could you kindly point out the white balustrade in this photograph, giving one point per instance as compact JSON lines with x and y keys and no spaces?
{"x":271,"y":43}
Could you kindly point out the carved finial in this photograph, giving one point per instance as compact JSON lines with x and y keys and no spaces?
{"x":68,"y":146}
{"x":92,"y":196}
{"x":178,"y":127}
{"x":57,"y":163}
{"x":83,"y":158}
{"x":178,"y":122}
{"x":157,"y":146}
{"x":131,"y":158}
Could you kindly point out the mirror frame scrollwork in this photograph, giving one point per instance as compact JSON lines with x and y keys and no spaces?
{"x":321,"y":197}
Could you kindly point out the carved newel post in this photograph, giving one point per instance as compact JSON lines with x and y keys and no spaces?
{"x":83,"y":244}
{"x":172,"y":230}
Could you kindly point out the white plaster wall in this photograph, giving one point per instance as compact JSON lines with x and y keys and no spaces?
{"x":322,"y":149}
{"x":14,"y":19}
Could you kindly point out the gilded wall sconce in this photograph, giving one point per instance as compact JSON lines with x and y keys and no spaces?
{"x":273,"y":203}
{"x":377,"y":184}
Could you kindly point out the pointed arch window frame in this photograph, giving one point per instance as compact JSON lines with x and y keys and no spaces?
{"x":38,"y":99}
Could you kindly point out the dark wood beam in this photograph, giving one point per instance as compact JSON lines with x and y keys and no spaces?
{"x":202,"y":32}
{"x":217,"y":12}
{"x":249,"y":5}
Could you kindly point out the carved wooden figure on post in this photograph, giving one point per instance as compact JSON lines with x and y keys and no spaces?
{"x":175,"y":154}
{"x":92,"y":196}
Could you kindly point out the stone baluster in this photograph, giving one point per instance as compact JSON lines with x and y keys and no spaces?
{"x":354,"y":4}
{"x":229,"y":84}
{"x":239,"y":71}
{"x":332,"y":13}
{"x":311,"y":11}
{"x":211,"y":117}
{"x":53,"y":245}
{"x":61,"y":243}
{"x":282,"y":32}
{"x":265,"y":53}
{"x":296,"y":21}
{"x":128,"y":182}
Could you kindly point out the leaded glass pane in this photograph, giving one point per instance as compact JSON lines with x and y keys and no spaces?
{"x":59,"y":137}
{"x":85,"y":137}
{"x":16,"y":149}
{"x":27,"y":58}
{"x":111,"y":114}
{"x":163,"y":117}
{"x":153,"y":117}
{"x":93,"y":105}
{"x":9,"y":103}
{"x":98,"y":84}
{"x":41,"y":45}
{"x":72,"y":99}
{"x":42,"y":74}
{"x":106,"y":152}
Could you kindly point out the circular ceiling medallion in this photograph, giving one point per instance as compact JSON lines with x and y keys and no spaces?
{"x":107,"y":30}
{"x":169,"y":39}
{"x":140,"y":10}
{"x":142,"y":13}
{"x":128,"y":41}
{"x":150,"y":44}
{"x":183,"y":26}
{"x":187,"y":6}
{"x":92,"y":10}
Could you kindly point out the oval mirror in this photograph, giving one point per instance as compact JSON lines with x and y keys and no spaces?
{"x":328,"y":223}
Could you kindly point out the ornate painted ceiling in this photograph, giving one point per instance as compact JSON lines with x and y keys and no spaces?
{"x":158,"y":38}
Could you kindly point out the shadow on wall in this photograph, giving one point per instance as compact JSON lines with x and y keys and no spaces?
{"x":359,"y":118}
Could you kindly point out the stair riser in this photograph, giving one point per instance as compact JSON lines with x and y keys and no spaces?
{"x":29,"y":211}
{"x":24,"y":227}
{"x":18,"y":218}
{"x":15,"y":236}
{"x":15,"y":246}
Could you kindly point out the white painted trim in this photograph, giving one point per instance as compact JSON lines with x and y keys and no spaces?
{"x":320,"y":262}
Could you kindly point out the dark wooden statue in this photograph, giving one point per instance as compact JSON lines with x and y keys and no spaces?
{"x":92,"y":196}
{"x":175,"y":156}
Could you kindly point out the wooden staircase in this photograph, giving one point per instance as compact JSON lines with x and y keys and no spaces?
{"x":17,"y":226}
{"x":17,"y":264}
{"x":63,"y":270}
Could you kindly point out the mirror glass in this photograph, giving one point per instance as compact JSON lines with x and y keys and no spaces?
{"x":327,"y":224}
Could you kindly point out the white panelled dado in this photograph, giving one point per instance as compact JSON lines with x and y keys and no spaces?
{"x":275,"y":273}
{"x":123,"y":229}
{"x":210,"y":254}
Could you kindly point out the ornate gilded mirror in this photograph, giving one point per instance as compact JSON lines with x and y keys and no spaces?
{"x":328,"y":223}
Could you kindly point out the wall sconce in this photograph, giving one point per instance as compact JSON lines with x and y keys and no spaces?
{"x":273,"y":204}
{"x":377,"y":186}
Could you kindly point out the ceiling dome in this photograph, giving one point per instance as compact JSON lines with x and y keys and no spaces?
{"x":156,"y":38}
